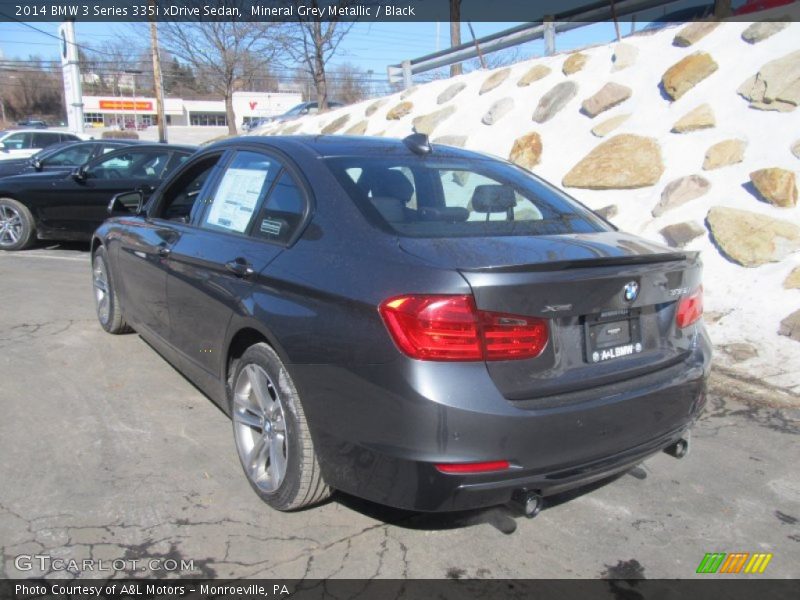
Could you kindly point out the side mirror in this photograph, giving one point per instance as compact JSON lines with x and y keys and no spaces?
{"x":80,"y":174}
{"x":4,"y":147}
{"x":36,"y":164}
{"x":126,"y":203}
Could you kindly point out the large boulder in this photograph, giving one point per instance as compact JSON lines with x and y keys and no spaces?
{"x":494,"y":80}
{"x":527,"y":150}
{"x":498,"y":110}
{"x":776,"y":186}
{"x":427,"y":123}
{"x":451,"y":92}
{"x":535,"y":73}
{"x":335,"y":125}
{"x":574,"y":63}
{"x":609,"y":125}
{"x":554,"y":100}
{"x":776,"y":86}
{"x":359,"y":128}
{"x":724,"y":153}
{"x":687,"y":73}
{"x":399,"y":111}
{"x":680,"y":191}
{"x":609,"y":96}
{"x":792,"y":281}
{"x":758,"y":32}
{"x":694,"y":32}
{"x":624,"y":56}
{"x":790,"y":326}
{"x":622,"y":162}
{"x":680,"y":234}
{"x":459,"y":141}
{"x":372,"y":108}
{"x":701,"y":117}
{"x":751,"y":239}
{"x":608,"y":212}
{"x":796,"y":148}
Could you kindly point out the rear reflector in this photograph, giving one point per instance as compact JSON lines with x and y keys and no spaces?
{"x":451,"y":328}
{"x":690,"y":308}
{"x":477,"y":467}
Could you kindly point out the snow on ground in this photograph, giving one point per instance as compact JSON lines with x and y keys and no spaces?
{"x":751,"y":300}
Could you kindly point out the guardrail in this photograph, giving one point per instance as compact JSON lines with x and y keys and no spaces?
{"x":546,"y":29}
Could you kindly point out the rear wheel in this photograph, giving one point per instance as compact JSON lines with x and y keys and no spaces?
{"x":106,"y":304}
{"x":17,"y":229}
{"x":271,"y":433}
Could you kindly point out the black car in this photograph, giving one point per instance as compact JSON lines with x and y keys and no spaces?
{"x":61,"y":157}
{"x":35,"y":123}
{"x":418,"y":325}
{"x":60,"y":205}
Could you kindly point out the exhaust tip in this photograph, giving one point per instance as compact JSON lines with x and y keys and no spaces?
{"x":527,"y":503}
{"x":679,"y":449}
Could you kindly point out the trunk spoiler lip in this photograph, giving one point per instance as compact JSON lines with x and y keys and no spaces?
{"x":608,"y":261}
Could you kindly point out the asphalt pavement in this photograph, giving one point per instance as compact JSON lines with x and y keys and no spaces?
{"x":107,"y":453}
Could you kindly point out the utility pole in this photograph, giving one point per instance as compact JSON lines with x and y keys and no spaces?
{"x":157,"y":80}
{"x":455,"y":33}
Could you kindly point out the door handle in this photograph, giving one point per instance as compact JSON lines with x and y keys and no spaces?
{"x":240,"y":267}
{"x":164,"y":251}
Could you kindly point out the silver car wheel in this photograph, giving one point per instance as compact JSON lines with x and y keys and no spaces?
{"x":101,"y":295}
{"x":10,"y":226}
{"x":260,"y":428}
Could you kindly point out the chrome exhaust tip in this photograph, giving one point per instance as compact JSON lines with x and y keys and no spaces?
{"x":679,"y":449}
{"x":527,"y":503}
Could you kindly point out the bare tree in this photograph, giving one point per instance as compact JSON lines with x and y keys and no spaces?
{"x":225,"y":54}
{"x":455,"y":33}
{"x":311,"y":43}
{"x":348,"y":83}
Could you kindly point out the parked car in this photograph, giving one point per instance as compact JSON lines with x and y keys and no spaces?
{"x":301,"y":110}
{"x":34,"y":123}
{"x":421,"y":326}
{"x":69,"y":206}
{"x":22,"y":143}
{"x":61,"y":157}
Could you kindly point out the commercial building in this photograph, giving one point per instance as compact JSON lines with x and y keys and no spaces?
{"x":132,"y":111}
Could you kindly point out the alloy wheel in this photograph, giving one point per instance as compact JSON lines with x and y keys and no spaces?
{"x":260,"y":428}
{"x":10,"y":226}
{"x":100,"y":282}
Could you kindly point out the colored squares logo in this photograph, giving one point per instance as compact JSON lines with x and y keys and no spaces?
{"x":734,"y":563}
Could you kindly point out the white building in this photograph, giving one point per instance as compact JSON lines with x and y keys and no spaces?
{"x":128,"y":111}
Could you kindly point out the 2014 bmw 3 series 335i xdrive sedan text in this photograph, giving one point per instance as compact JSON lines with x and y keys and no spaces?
{"x":418,"y":325}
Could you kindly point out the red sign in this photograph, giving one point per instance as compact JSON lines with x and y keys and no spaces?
{"x":126,"y":105}
{"x":253,"y":105}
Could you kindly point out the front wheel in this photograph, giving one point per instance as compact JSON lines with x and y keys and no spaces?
{"x":17,"y":229}
{"x":106,"y":303}
{"x":271,"y":433}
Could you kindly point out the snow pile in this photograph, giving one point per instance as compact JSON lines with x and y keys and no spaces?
{"x":743,"y":305}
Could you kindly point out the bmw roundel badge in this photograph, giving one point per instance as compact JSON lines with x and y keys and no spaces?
{"x":631,"y":291}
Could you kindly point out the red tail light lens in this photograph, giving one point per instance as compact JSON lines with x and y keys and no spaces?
{"x":478,"y":467}
{"x":451,"y":328}
{"x":690,"y":308}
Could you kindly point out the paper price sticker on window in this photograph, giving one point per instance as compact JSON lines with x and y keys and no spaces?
{"x":236,"y":199}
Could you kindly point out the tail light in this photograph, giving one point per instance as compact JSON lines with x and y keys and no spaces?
{"x":451,"y":328}
{"x":690,"y":308}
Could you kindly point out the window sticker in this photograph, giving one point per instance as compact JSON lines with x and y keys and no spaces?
{"x":236,"y":199}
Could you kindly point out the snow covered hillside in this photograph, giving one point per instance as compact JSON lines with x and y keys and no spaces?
{"x":648,"y":162}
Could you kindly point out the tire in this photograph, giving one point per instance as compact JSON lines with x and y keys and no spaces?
{"x":17,"y":227}
{"x":271,"y":433}
{"x":106,"y":303}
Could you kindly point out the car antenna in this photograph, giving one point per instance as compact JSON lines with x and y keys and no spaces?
{"x":418,"y":143}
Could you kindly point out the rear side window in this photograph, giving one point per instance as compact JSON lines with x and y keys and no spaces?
{"x":19,"y":141}
{"x":441,"y":197}
{"x":71,"y":155}
{"x":246,"y":180}
{"x":282,"y":212}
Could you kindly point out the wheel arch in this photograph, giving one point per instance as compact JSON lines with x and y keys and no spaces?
{"x":242,"y":336}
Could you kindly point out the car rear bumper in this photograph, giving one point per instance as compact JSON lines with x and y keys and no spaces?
{"x":379,"y":430}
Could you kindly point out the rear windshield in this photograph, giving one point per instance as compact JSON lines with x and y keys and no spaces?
{"x":440,"y":198}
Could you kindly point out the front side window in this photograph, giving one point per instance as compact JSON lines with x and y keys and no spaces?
{"x":183,"y":197}
{"x":441,"y":197}
{"x":132,"y":164}
{"x":72,"y":155}
{"x":244,"y":183}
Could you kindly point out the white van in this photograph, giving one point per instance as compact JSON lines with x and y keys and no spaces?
{"x":22,"y":143}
